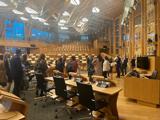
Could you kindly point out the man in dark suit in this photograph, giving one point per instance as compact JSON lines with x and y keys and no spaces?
{"x":8,"y":69}
{"x":17,"y":72}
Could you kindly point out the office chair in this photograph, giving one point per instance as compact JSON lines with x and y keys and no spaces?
{"x":87,"y":99}
{"x":41,"y":89}
{"x":62,"y":92}
{"x":154,"y":75}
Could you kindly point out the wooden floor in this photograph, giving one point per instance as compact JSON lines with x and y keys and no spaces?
{"x":130,"y":110}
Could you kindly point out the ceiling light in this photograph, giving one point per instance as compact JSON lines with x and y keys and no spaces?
{"x":84,"y":20}
{"x":95,"y":10}
{"x":34,"y":17}
{"x":80,"y":24}
{"x":41,"y":19}
{"x":62,"y":21}
{"x":3,"y":4}
{"x":31,"y":11}
{"x":60,"y":24}
{"x":23,"y":18}
{"x":46,"y":23}
{"x":75,"y":2}
{"x":65,"y":13}
{"x":64,"y":28}
{"x":17,"y":12}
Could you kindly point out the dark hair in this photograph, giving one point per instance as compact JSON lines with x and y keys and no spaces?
{"x":106,"y":58}
{"x":42,"y":56}
{"x":73,"y":58}
{"x":25,"y":57}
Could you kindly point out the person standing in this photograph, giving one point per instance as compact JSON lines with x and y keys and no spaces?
{"x":90,"y":67}
{"x":17,"y":72}
{"x":60,"y":64}
{"x":41,"y":68}
{"x":3,"y":76}
{"x":124,"y":66}
{"x":106,"y":67}
{"x":118,"y":66}
{"x":133,"y":63}
{"x":98,"y":64}
{"x":8,"y":69}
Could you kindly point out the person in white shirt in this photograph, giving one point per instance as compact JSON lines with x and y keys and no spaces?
{"x":106,"y":67}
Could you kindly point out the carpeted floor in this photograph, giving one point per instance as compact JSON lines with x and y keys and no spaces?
{"x":38,"y":112}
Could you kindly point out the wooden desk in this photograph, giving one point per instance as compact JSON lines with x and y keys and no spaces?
{"x":16,"y":104}
{"x":111,"y":93}
{"x":11,"y":116}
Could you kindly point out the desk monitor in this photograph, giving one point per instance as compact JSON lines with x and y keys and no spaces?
{"x":143,"y":62}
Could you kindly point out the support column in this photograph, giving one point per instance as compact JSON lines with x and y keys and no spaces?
{"x":114,"y":37}
{"x":144,"y":26}
{"x":157,"y":25}
{"x":120,"y":37}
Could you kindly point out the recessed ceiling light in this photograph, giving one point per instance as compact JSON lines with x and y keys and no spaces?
{"x":3,"y":4}
{"x":24,"y":19}
{"x":46,"y":23}
{"x":60,"y":24}
{"x":95,"y":10}
{"x":64,"y":28}
{"x":62,"y":21}
{"x":75,"y":2}
{"x":31,"y":11}
{"x":17,"y":12}
{"x":84,"y":20}
{"x":65,"y":13}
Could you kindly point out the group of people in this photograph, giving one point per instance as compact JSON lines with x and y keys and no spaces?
{"x":13,"y":69}
{"x":102,"y":65}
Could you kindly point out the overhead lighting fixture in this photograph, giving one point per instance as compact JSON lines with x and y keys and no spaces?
{"x":75,"y":2}
{"x":46,"y":23}
{"x":41,"y":19}
{"x":60,"y":24}
{"x":3,"y":4}
{"x":80,"y":24}
{"x":95,"y":10}
{"x":64,"y":28}
{"x":30,"y":10}
{"x":65,"y":13}
{"x":23,"y":18}
{"x":62,"y":21}
{"x":17,"y":12}
{"x":84,"y":20}
{"x":34,"y":17}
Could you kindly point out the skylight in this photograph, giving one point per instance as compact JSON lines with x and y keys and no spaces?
{"x":3,"y":4}
{"x":95,"y":10}
{"x":62,"y":21}
{"x":60,"y":24}
{"x":31,"y":11}
{"x":75,"y":2}
{"x":64,"y":28}
{"x":84,"y":20}
{"x":65,"y":13}
{"x":17,"y":12}
{"x":46,"y":23}
{"x":24,"y":19}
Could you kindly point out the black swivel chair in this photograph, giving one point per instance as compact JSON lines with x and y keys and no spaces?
{"x":87,"y":99}
{"x":62,"y":92}
{"x":154,"y":75}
